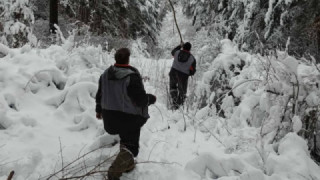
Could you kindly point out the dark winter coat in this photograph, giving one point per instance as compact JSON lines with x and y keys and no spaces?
{"x":122,"y":99}
{"x":184,"y":61}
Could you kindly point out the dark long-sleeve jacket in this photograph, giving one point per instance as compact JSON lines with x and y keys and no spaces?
{"x":116,"y":121}
{"x":184,"y":61}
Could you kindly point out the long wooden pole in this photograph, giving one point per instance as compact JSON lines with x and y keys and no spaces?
{"x":175,"y":19}
{"x":10,"y":175}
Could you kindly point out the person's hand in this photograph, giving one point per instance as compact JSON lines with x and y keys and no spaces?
{"x":152,"y":98}
{"x":99,"y":115}
{"x":192,"y":72}
{"x":181,"y":44}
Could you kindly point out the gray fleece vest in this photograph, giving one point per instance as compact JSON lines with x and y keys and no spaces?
{"x":182,"y":66}
{"x":115,"y":95}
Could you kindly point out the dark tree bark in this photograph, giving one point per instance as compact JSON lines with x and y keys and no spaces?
{"x":53,"y":15}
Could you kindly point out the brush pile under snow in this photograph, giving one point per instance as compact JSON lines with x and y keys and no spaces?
{"x":270,"y":96}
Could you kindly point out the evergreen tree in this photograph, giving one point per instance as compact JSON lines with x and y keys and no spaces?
{"x":262,"y":25}
{"x":119,"y":18}
{"x":16,"y":22}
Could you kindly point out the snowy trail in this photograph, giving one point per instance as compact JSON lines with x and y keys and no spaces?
{"x":50,"y":125}
{"x":171,"y":149}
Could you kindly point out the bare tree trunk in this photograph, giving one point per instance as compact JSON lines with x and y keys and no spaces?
{"x":53,"y":15}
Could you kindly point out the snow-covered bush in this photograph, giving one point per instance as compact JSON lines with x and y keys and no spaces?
{"x":216,"y":77}
{"x":290,"y":160}
{"x":38,"y":86}
{"x":277,"y":94}
{"x":16,"y":19}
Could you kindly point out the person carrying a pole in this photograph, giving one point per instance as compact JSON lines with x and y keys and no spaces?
{"x":183,"y":66}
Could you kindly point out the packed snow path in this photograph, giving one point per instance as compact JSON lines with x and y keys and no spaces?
{"x":47,"y":108}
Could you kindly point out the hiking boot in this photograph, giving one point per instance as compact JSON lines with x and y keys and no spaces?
{"x":124,"y":162}
{"x":131,"y":168}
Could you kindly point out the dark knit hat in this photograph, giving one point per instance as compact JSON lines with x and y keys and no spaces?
{"x":122,"y":56}
{"x":187,"y":46}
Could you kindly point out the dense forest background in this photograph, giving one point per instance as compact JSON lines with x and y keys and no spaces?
{"x":262,"y":25}
{"x":257,"y":26}
{"x":95,"y":21}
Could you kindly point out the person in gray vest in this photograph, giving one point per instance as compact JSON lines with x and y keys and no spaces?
{"x":183,"y":66}
{"x":122,"y":103}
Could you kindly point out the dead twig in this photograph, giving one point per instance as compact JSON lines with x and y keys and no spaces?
{"x":154,"y":147}
{"x":162,"y":116}
{"x":49,"y":70}
{"x":68,"y":166}
{"x":184,"y":120}
{"x":155,"y":162}
{"x":93,"y":172}
{"x":85,"y":175}
{"x":249,"y":80}
{"x":61,"y":155}
{"x":282,"y":119}
{"x":208,"y":131}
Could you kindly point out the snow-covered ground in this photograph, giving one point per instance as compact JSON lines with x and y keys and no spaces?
{"x":47,"y":110}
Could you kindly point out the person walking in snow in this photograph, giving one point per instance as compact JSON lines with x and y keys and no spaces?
{"x":183,"y":66}
{"x":122,"y":103}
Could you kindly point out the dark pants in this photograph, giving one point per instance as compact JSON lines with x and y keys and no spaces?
{"x":130,"y":140}
{"x":178,"y":87}
{"x":126,"y":126}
